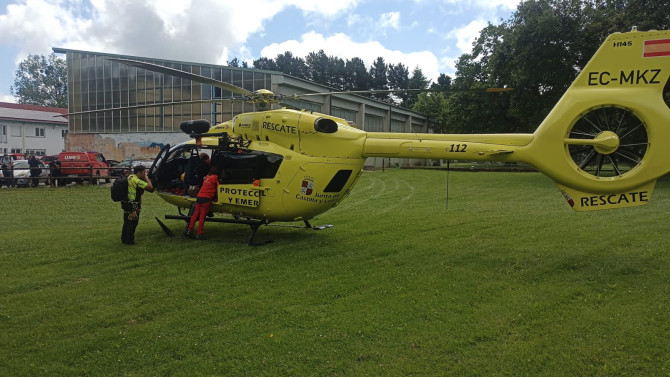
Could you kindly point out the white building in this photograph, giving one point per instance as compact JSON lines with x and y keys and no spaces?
{"x":31,"y":129}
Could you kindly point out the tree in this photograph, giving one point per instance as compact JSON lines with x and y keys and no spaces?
{"x":234,"y":63}
{"x":443,"y":83}
{"x":539,"y":51}
{"x":265,"y":63}
{"x":336,"y":72}
{"x":398,"y":78}
{"x":417,"y":81}
{"x":378,"y":78}
{"x":41,"y":80}
{"x":291,"y":65}
{"x":435,"y":106}
{"x":317,"y":67}
{"x":356,"y":73}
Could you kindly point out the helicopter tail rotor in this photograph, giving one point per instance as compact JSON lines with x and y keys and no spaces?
{"x":607,"y":140}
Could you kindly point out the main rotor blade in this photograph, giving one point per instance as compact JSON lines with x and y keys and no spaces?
{"x":485,"y":90}
{"x":183,"y":74}
{"x":155,"y":105}
{"x":289,"y":106}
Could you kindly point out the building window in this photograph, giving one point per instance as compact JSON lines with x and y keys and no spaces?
{"x":374,"y":123}
{"x":3,"y":134}
{"x":397,"y":126}
{"x":304,"y":105}
{"x":36,"y":152}
{"x":418,"y":128}
{"x":39,"y":131}
{"x":16,"y":150}
{"x":343,"y":113}
{"x":17,"y":131}
{"x":63,"y":133}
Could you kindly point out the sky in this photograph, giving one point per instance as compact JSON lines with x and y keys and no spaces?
{"x":429,"y":34}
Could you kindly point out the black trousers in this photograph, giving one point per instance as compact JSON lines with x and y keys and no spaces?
{"x":34,"y":175}
{"x":128,"y":232}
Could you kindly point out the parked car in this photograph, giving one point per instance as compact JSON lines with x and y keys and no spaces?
{"x":22,"y":173}
{"x":126,"y":166}
{"x":11,"y":157}
{"x":79,"y":166}
{"x":47,"y":159}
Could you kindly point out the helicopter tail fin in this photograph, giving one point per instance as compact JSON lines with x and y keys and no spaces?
{"x":607,"y":140}
{"x":583,"y":201}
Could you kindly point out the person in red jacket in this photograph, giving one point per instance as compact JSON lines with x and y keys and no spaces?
{"x":206,"y":195}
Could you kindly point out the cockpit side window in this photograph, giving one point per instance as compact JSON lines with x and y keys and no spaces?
{"x":237,"y":166}
{"x":246,"y":166}
{"x":174,"y":165}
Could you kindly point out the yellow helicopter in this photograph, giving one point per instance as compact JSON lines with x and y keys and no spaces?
{"x":604,"y":144}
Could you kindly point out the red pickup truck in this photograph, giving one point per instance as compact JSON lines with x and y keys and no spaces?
{"x":84,"y":164}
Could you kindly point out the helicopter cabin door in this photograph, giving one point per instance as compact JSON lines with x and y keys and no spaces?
{"x":241,"y":174}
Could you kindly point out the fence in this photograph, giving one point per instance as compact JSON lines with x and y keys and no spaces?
{"x":10,"y":179}
{"x":490,"y":166}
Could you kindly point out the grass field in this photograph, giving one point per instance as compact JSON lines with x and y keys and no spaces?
{"x":507,"y":281}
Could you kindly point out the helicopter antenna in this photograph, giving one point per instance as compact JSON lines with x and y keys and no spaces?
{"x":447,"y":199}
{"x":412,"y":130}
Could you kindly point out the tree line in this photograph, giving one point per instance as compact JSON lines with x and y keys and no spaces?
{"x":538,"y":51}
{"x":353,"y":75}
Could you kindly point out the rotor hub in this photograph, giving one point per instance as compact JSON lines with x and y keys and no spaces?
{"x":606,"y":142}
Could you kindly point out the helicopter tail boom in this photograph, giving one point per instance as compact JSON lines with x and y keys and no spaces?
{"x":488,"y":147}
{"x":606,"y":141}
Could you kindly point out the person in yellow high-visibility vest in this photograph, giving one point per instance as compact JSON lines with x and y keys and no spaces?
{"x":138,"y":182}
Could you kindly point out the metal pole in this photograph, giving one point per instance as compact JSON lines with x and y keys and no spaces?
{"x":447,"y":199}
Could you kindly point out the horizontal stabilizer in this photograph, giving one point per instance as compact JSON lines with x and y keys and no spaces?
{"x":495,"y":152}
{"x":582,"y":201}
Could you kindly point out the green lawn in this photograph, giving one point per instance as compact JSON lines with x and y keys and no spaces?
{"x":507,"y":280}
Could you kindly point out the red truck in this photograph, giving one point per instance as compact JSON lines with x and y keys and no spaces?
{"x":84,"y":165}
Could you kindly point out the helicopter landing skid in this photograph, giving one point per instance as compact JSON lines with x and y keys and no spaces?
{"x":318,"y":227}
{"x":306,"y":226}
{"x":254,"y":224}
{"x":322,"y":227}
{"x":165,"y":228}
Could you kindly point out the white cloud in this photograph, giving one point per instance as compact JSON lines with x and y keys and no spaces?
{"x":7,"y":98}
{"x":214,"y":31}
{"x":342,"y":46}
{"x":466,"y":35}
{"x":390,"y":20}
{"x":448,"y":65}
{"x":202,"y":30}
{"x":506,"y":4}
{"x":172,"y":13}
{"x":484,"y":4}
{"x":33,"y":25}
{"x":325,"y":8}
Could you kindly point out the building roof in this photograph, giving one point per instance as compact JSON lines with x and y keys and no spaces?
{"x":32,"y":113}
{"x":60,"y":50}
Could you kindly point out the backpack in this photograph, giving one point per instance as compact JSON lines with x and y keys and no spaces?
{"x":120,"y":189}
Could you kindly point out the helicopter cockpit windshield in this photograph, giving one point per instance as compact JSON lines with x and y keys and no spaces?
{"x":186,"y":165}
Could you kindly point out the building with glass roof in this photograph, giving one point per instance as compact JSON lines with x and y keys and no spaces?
{"x":95,"y":82}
